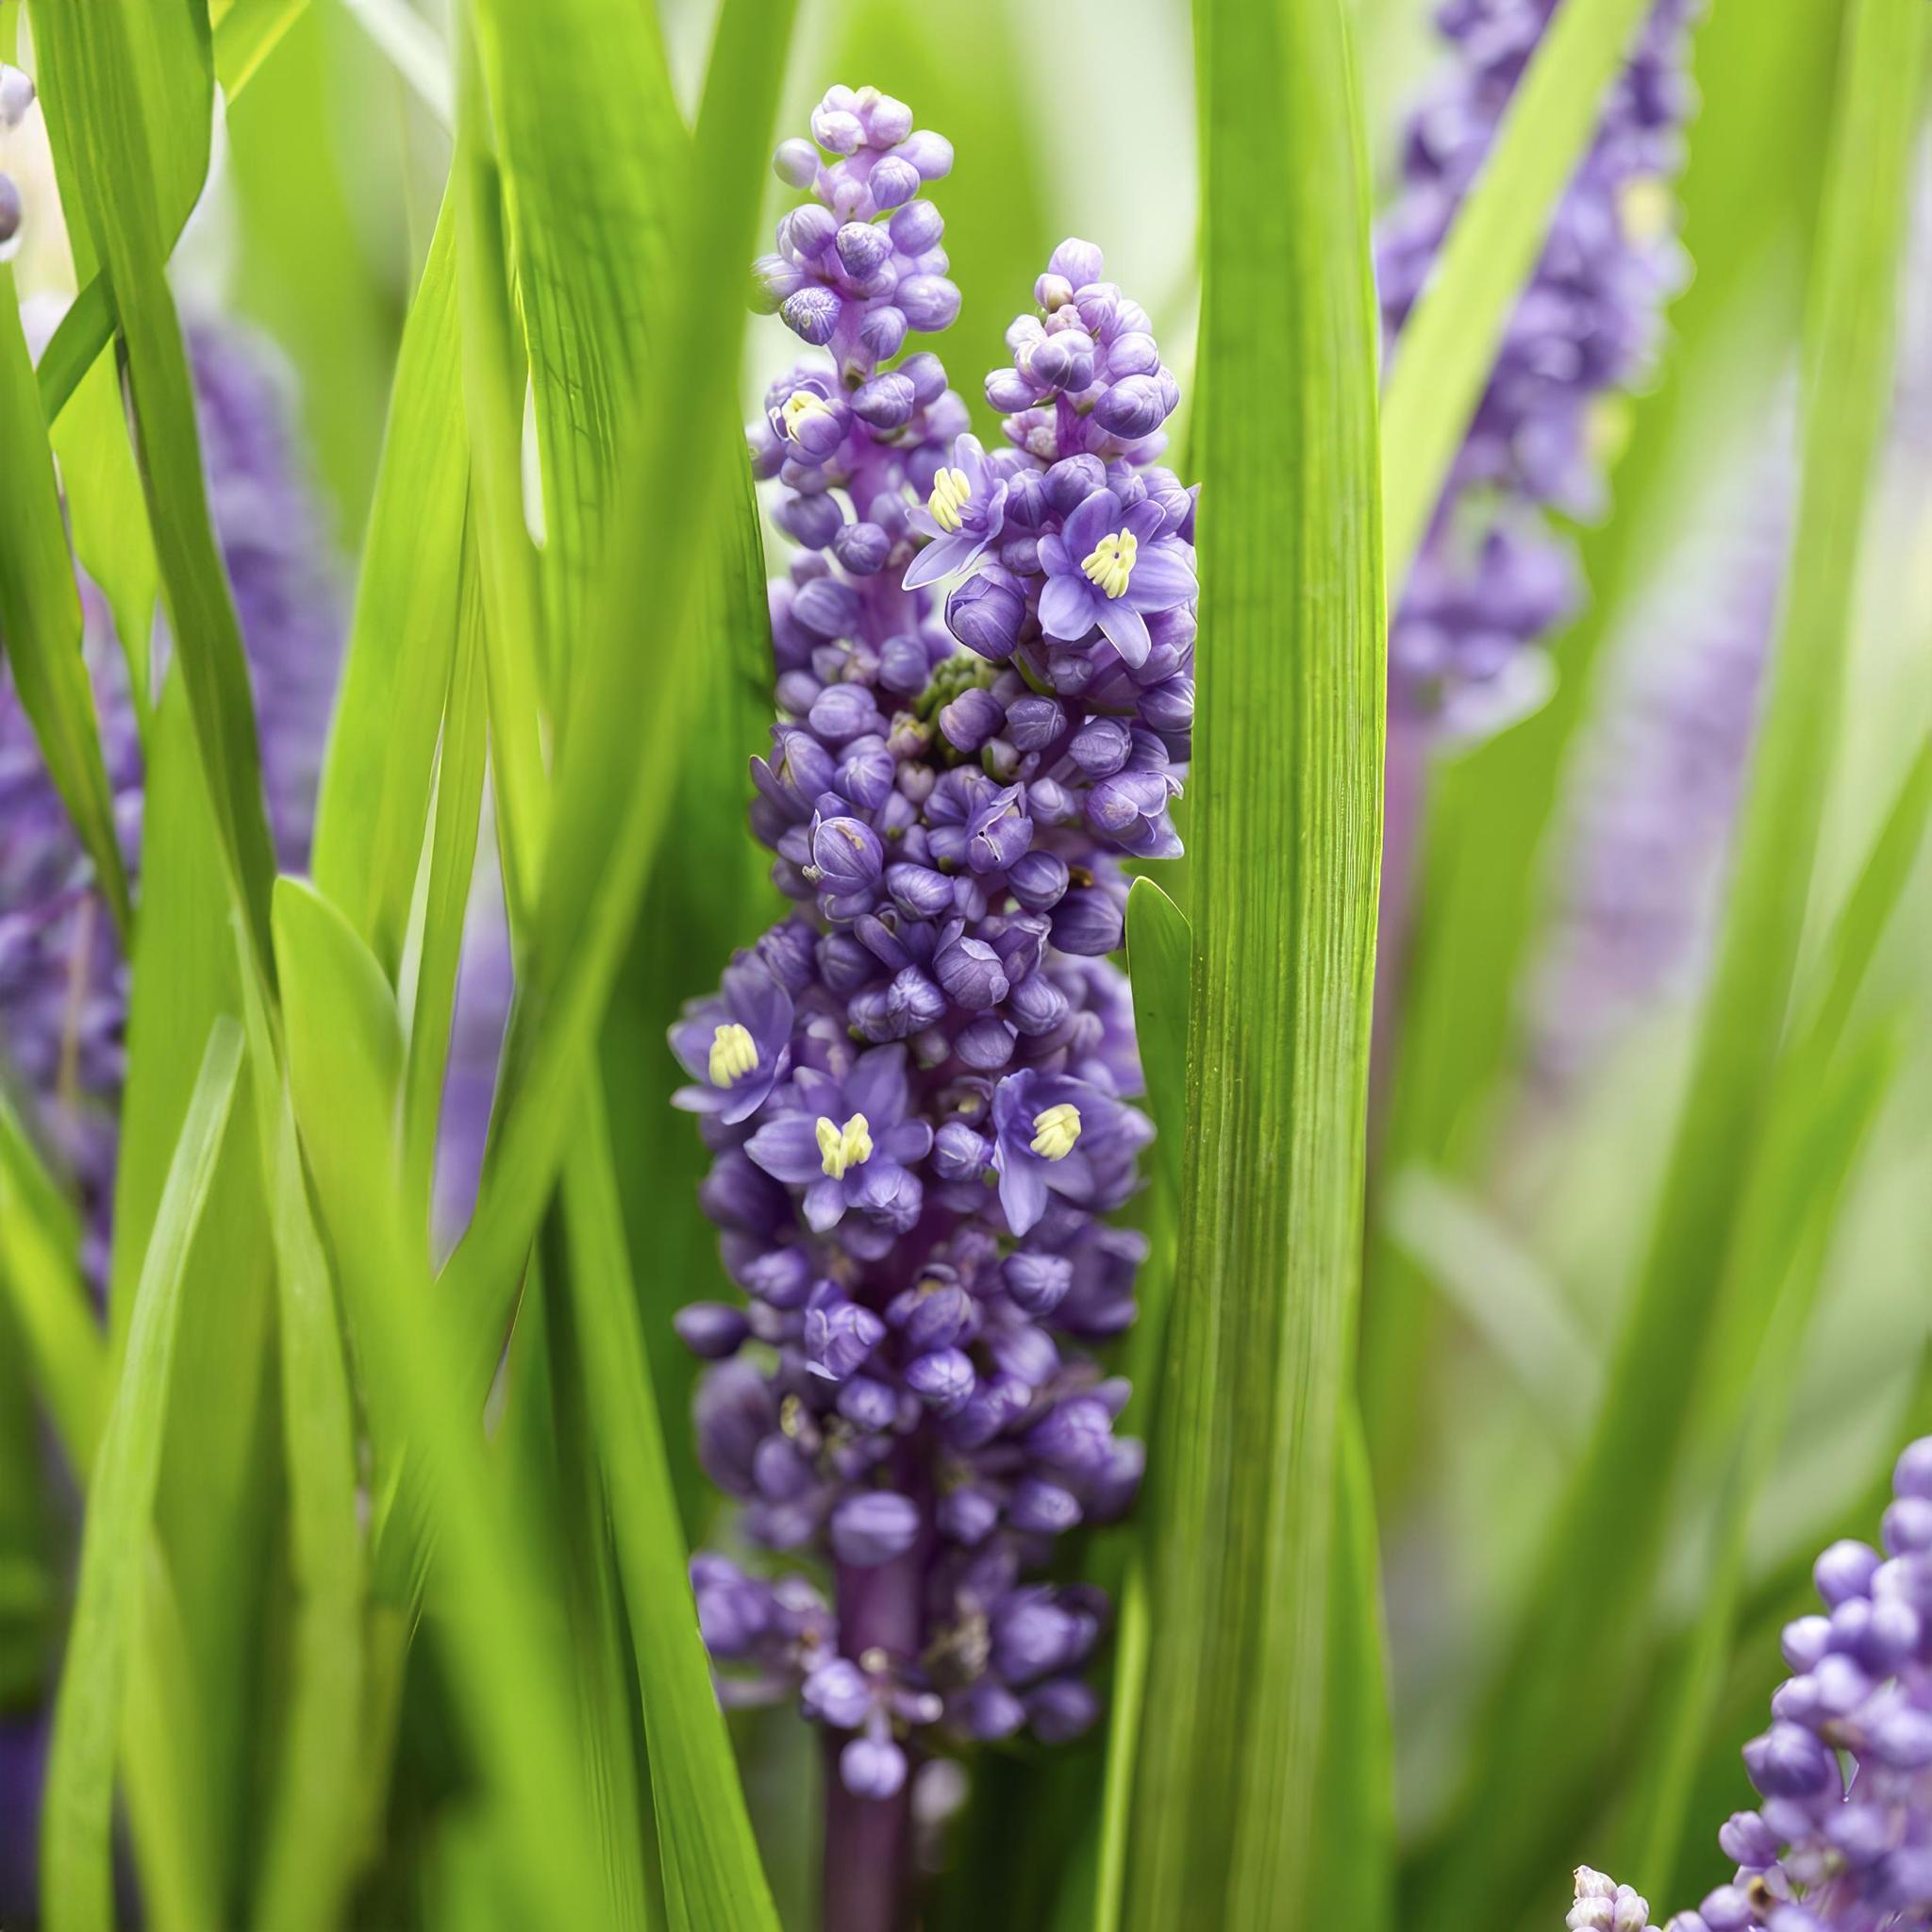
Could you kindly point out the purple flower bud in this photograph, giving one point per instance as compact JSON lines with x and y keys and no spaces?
{"x":927,"y":375}
{"x":1035,"y":1005}
{"x":812,"y":521}
{"x":827,"y":608}
{"x":838,"y":1340}
{"x":920,"y":892}
{"x":862,"y":247}
{"x":1077,"y":262}
{"x":1001,"y":832}
{"x":837,"y":129}
{"x":872,"y":1527}
{"x":1906,"y":1529}
{"x":1912,"y":1474}
{"x":1062,"y":1710}
{"x":894,"y":182}
{"x":1844,"y":1571}
{"x":917,"y":228}
{"x":930,"y":153}
{"x":807,"y":232}
{"x":811,"y":313}
{"x":796,"y":164}
{"x":1089,"y":921}
{"x":972,"y":717}
{"x":1038,"y":1283}
{"x":847,"y":854}
{"x":871,"y":1767}
{"x":868,"y":1404}
{"x":839,"y":1694}
{"x":1038,"y":880}
{"x":1076,"y":1435}
{"x":862,"y":548}
{"x":931,"y":303}
{"x":1132,"y":408}
{"x":943,"y":1379}
{"x":1069,"y":484}
{"x":958,"y":1153}
{"x":1747,"y":1840}
{"x":967,"y":1516}
{"x":986,"y":612}
{"x":885,"y":402}
{"x":1041,"y":1509}
{"x":987,"y":1044}
{"x":971,"y":975}
{"x":709,"y":1329}
{"x":1788,"y":1762}
{"x":990,"y":1712}
{"x":841,"y":712}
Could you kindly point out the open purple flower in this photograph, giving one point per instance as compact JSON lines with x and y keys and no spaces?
{"x":1110,"y":566}
{"x":965,"y":512}
{"x":849,"y":1143}
{"x":736,"y":1044}
{"x":1046,"y":1129}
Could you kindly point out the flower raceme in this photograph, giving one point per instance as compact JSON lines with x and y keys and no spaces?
{"x":1493,"y":578}
{"x":917,"y":1090}
{"x":1841,"y":1840}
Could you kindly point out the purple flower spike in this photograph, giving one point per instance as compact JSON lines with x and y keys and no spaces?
{"x":1845,"y":1770}
{"x":932,"y":1060}
{"x":1493,"y":578}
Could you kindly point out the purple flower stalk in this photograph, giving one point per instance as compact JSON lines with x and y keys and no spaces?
{"x":917,"y":1089}
{"x":64,"y":981}
{"x":1841,"y":1840}
{"x":1494,"y":576}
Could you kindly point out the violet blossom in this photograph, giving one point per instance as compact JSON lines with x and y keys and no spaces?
{"x":915,"y":1201}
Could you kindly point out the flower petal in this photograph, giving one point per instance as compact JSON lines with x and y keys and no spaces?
{"x":1097,"y":516}
{"x":875,"y":1086}
{"x":825,"y":1203}
{"x":787,"y":1147}
{"x":1022,"y":1189}
{"x":1161,"y":578}
{"x":940,"y":559}
{"x":1125,"y":629}
{"x":1066,"y":608}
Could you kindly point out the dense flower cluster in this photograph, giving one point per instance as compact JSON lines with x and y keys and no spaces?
{"x":1493,"y":575}
{"x":63,"y":980}
{"x":916,"y":1089}
{"x":1842,"y":1839}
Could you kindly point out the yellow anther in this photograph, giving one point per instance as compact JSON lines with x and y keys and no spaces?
{"x":734,"y":1054}
{"x":951,"y":491}
{"x":842,"y":1147}
{"x":800,"y":407}
{"x":1055,"y":1129}
{"x":1110,"y":562}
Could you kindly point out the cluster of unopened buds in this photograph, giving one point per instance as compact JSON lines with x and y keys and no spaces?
{"x":1841,"y":1838}
{"x":917,"y":1089}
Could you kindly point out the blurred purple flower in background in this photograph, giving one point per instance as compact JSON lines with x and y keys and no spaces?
{"x":917,"y":1090}
{"x":1493,"y":578}
{"x":64,"y":982}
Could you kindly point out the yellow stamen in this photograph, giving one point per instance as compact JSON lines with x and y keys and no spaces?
{"x":1110,"y":562}
{"x":951,"y":491}
{"x":842,"y":1147}
{"x":800,"y":407}
{"x":734,"y":1054}
{"x":1057,"y":1128}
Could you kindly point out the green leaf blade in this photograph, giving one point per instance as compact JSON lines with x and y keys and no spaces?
{"x":77,"y":1893}
{"x":1286,"y":834}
